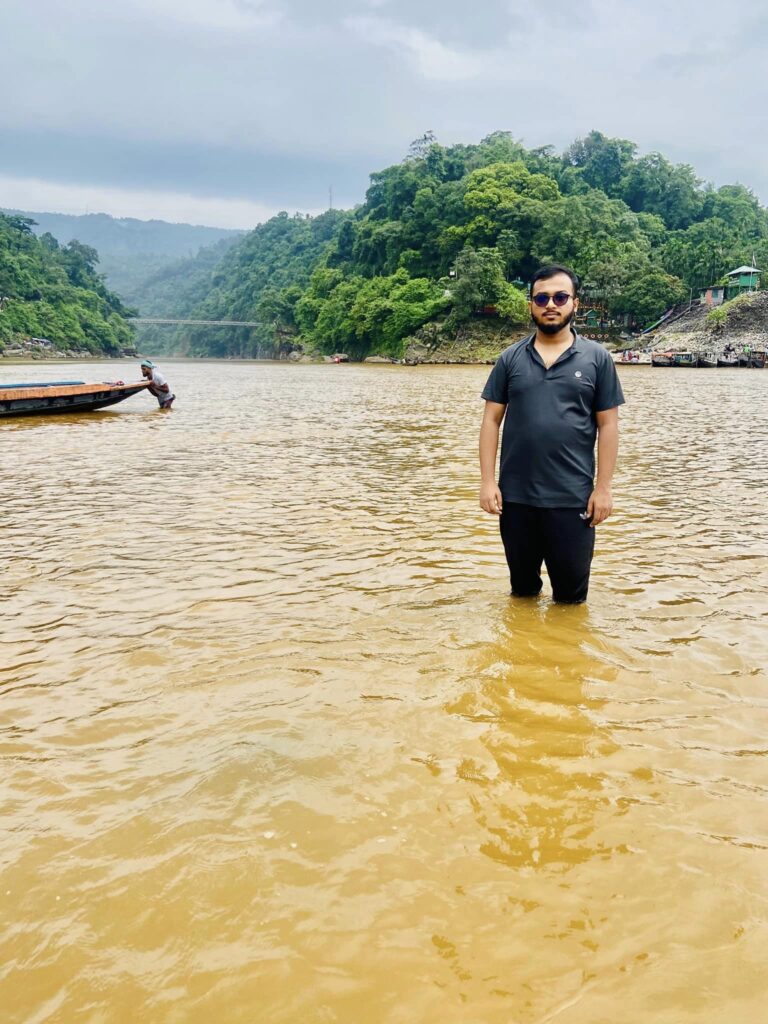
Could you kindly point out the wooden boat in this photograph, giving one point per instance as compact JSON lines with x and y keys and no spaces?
{"x":631,"y":357}
{"x":638,"y":359}
{"x":63,"y":396}
{"x":708,"y":360}
{"x":662,"y":359}
{"x":727,"y":359}
{"x":756,"y":360}
{"x":685,"y":359}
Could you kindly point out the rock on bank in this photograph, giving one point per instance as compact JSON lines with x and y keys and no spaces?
{"x":481,"y":340}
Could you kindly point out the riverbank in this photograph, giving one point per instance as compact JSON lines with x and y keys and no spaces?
{"x":741,"y":323}
{"x":478,"y":341}
{"x":42,"y":349}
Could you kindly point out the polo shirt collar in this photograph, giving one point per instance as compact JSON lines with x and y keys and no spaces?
{"x":577,"y":340}
{"x":576,"y":346}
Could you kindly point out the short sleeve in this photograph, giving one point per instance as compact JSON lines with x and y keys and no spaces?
{"x":495,"y":389}
{"x":608,"y":393}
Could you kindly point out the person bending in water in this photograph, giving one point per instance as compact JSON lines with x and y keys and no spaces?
{"x":159,"y":386}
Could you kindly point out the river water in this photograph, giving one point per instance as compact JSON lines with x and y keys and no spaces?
{"x":278,"y":746}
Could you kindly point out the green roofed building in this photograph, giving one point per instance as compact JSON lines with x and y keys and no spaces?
{"x":742,"y":279}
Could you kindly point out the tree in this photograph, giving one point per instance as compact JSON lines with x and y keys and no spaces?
{"x":420,"y":147}
{"x":479,"y":281}
{"x":80,"y":262}
{"x":653,"y":185}
{"x":648,"y":295}
{"x":55,"y":293}
{"x":498,"y":188}
{"x":512,"y":305}
{"x":738,"y":208}
{"x":600,"y":161}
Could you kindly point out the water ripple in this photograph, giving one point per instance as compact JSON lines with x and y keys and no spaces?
{"x":277,"y":745}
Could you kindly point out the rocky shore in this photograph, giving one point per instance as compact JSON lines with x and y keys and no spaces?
{"x":42,"y":348}
{"x":478,"y":341}
{"x":741,"y":323}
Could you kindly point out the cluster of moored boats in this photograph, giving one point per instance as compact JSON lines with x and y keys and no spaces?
{"x":746,"y":359}
{"x":755,"y":359}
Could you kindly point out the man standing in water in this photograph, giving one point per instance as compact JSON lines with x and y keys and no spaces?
{"x":159,"y":386}
{"x":555,"y":392}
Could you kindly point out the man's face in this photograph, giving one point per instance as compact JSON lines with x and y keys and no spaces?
{"x":552,"y":318}
{"x":146,"y":372}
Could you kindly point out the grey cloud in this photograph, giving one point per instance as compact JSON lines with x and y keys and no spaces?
{"x":272,"y":101}
{"x":227,"y":172}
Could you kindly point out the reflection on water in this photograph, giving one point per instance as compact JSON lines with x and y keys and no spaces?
{"x":547,"y":796}
{"x":278,"y":746}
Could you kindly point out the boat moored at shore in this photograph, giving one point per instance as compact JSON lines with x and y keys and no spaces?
{"x":64,"y":396}
{"x":728,"y":358}
{"x":662,"y":359}
{"x":685,"y":359}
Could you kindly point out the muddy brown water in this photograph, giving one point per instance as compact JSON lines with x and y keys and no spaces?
{"x":278,"y":746}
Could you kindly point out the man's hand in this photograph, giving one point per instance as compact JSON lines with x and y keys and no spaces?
{"x":490,"y":499}
{"x":600,"y":505}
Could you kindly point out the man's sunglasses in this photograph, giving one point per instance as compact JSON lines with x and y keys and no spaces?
{"x":559,"y":299}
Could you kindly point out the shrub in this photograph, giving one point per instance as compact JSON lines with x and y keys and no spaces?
{"x":717,"y":316}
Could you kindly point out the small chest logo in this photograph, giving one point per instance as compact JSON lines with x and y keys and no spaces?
{"x":577,"y":374}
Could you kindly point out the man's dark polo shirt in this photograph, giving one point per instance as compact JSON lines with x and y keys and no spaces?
{"x":548,"y":441}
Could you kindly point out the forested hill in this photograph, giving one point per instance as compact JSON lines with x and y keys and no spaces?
{"x":261,"y":277}
{"x":448,"y":231}
{"x":173,"y":290}
{"x":129,"y":250}
{"x":53,"y":292}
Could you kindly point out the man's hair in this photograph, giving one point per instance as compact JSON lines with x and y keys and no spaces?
{"x":544,"y":273}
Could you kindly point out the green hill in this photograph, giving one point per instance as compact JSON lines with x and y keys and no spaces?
{"x":443,"y":236}
{"x":261,"y":277}
{"x":129,"y":250}
{"x":53,"y":292}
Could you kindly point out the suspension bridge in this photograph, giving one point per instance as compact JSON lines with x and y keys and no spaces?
{"x":139,"y":320}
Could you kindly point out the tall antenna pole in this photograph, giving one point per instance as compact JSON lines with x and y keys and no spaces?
{"x":330,"y":197}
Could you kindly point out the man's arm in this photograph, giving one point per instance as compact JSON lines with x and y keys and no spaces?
{"x":490,"y":496}
{"x":158,"y":385}
{"x":600,"y":504}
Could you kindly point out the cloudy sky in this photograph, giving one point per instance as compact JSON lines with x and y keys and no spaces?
{"x":224,"y":111}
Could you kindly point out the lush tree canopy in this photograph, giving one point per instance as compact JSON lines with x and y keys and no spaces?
{"x":54,"y":292}
{"x":130,"y":251}
{"x":446,"y":232}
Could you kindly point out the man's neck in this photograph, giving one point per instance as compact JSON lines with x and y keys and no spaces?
{"x":551,"y":342}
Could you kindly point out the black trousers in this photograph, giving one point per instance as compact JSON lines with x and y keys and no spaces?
{"x":559,"y":538}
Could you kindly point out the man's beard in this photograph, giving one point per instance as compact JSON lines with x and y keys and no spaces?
{"x":554,"y":328}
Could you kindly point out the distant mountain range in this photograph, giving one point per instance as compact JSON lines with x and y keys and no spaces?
{"x":129,"y":250}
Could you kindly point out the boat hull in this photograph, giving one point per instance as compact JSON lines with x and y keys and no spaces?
{"x":675,"y":359}
{"x":686,"y":359}
{"x":42,"y":400}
